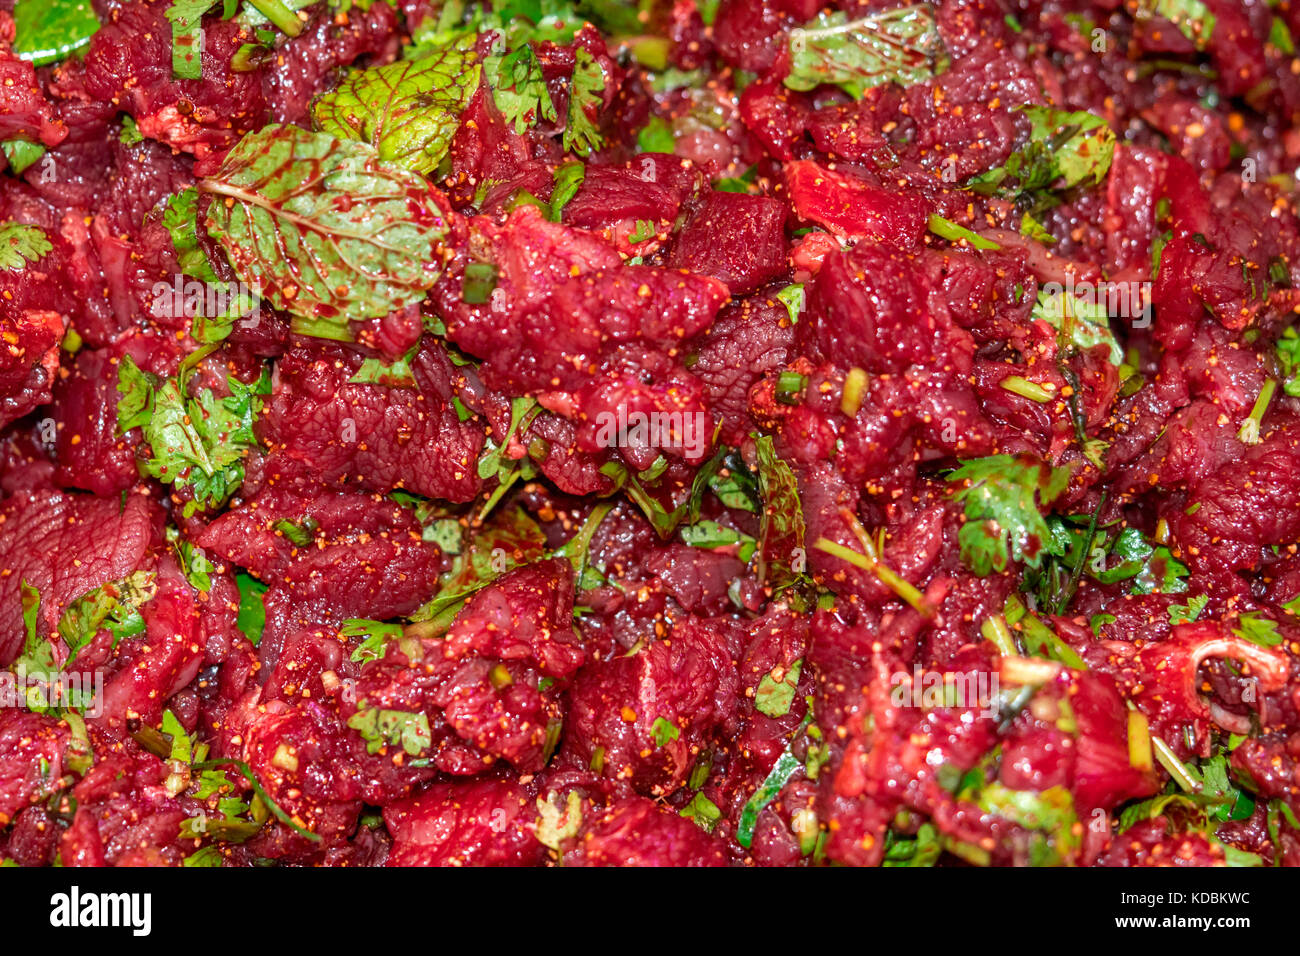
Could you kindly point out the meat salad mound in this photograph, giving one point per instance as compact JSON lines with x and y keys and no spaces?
{"x":693,"y":432}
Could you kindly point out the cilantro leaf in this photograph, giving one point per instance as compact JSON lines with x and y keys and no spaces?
{"x":586,"y":98}
{"x":113,"y":607}
{"x":703,"y":811}
{"x":21,"y":244}
{"x":1192,"y":17}
{"x":199,"y":442}
{"x":37,"y":656}
{"x":323,"y":228}
{"x":656,"y":137}
{"x":1003,"y":523}
{"x":893,"y":46}
{"x":1258,"y":630}
{"x":376,"y":636}
{"x":519,"y":88}
{"x":1088,"y":322}
{"x":1064,"y":150}
{"x":21,"y":153}
{"x":774,"y":698}
{"x":408,"y":110}
{"x":396,"y":727}
{"x":1288,"y":356}
{"x":569,"y":178}
{"x":664,"y":731}
{"x":1189,"y":612}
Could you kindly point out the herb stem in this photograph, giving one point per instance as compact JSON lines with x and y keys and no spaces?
{"x":995,"y":630}
{"x":1018,"y":385}
{"x":1248,"y":434}
{"x":251,"y":777}
{"x":274,"y":10}
{"x":1169,"y":760}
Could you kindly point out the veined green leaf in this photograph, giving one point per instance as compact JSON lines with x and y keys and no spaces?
{"x":894,"y":46}
{"x":408,"y":110}
{"x":46,"y":31}
{"x":323,"y":228}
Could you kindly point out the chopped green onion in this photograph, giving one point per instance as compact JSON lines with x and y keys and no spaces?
{"x":789,"y":388}
{"x":1248,"y":434}
{"x":997,"y":633}
{"x":947,"y":229}
{"x":1139,"y":741}
{"x":1023,"y":387}
{"x":855,"y":384}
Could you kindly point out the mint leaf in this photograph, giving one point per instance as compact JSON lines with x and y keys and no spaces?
{"x":586,"y":99}
{"x":395,"y":374}
{"x":776,"y":779}
{"x":924,"y":849}
{"x":408,"y":110}
{"x":46,"y":31}
{"x":894,"y":46}
{"x":1003,"y":522}
{"x":710,"y":535}
{"x":510,"y":539}
{"x":323,"y":228}
{"x":21,"y":244}
{"x":180,"y":217}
